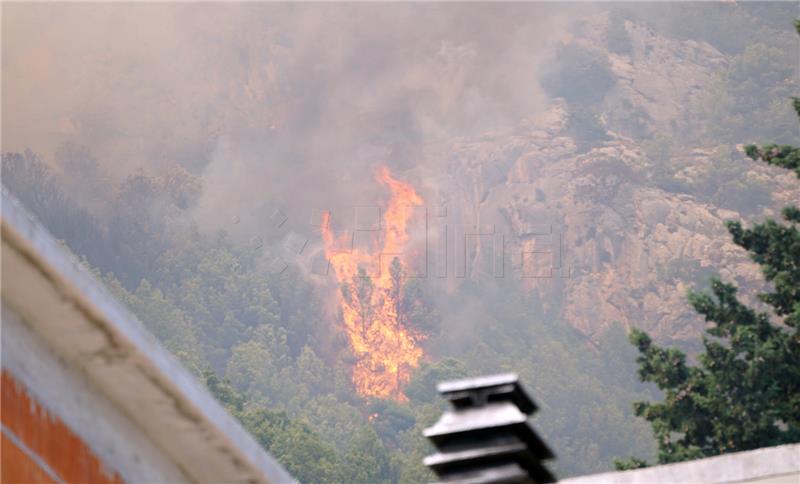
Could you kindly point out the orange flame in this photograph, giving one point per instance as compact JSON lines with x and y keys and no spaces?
{"x":385,"y":350}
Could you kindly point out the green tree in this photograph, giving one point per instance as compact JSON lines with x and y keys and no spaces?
{"x":292,"y":442}
{"x":253,"y":371}
{"x":366,"y":459}
{"x":164,"y":319}
{"x":785,"y":156}
{"x":746,"y":390}
{"x":422,"y":387}
{"x":579,"y":75}
{"x":30,"y":179}
{"x":752,"y":86}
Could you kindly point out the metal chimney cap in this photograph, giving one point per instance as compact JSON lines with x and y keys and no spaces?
{"x":478,"y":418}
{"x":486,"y":436}
{"x":475,"y":392}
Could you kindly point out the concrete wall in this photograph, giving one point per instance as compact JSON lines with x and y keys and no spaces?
{"x":770,"y":465}
{"x":88,"y":394}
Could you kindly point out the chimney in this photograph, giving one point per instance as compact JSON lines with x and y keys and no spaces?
{"x":485,"y":437}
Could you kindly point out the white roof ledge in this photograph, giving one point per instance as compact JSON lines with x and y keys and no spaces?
{"x":773,"y":465}
{"x":87,"y":327}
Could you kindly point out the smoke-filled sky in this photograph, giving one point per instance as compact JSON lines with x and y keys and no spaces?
{"x":279,"y":103}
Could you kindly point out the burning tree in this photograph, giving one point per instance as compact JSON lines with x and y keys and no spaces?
{"x":375,"y":312}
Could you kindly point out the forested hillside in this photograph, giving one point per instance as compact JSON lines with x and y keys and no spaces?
{"x":619,"y":135}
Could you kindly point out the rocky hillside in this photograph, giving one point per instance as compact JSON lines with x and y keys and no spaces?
{"x":637,"y":225}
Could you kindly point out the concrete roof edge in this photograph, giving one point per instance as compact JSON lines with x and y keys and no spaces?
{"x":726,"y":468}
{"x":25,"y":234}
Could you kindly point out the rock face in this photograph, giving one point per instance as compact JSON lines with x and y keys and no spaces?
{"x":628,"y":250}
{"x":662,"y":76}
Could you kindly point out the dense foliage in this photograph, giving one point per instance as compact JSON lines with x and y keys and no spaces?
{"x":745,"y":392}
{"x":264,"y":344}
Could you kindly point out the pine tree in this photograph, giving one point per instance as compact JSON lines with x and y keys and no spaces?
{"x":785,"y":156}
{"x":745,"y":392}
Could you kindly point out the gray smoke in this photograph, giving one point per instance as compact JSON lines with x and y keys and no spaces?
{"x":273,"y":105}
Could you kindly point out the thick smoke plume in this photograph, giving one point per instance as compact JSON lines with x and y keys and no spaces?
{"x":287,"y":105}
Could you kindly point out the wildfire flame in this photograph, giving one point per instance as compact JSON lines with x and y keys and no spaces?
{"x":385,"y":350}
